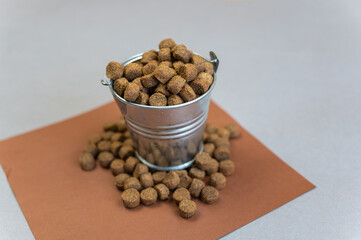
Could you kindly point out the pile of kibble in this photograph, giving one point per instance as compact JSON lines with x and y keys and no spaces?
{"x":170,"y":76}
{"x":114,"y":149}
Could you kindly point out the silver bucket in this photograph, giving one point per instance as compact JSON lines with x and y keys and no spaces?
{"x":166,"y":138}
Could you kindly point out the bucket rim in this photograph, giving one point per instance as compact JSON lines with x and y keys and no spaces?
{"x":214,"y":60}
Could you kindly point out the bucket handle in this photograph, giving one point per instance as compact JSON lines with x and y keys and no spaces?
{"x":214,"y":60}
{"x":105,"y":82}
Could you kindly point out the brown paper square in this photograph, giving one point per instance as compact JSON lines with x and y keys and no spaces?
{"x":60,"y":201}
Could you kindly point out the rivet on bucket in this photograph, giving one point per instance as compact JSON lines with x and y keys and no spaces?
{"x":166,"y":138}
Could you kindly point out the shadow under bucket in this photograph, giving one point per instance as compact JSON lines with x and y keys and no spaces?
{"x":166,"y":138}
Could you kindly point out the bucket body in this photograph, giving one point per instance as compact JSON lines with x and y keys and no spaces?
{"x":166,"y":138}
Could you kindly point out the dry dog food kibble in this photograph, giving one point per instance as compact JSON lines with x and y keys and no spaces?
{"x":171,"y":180}
{"x":209,"y":194}
{"x":87,"y":161}
{"x":187,"y":208}
{"x":197,"y":173}
{"x":91,"y":148}
{"x":181,"y":194}
{"x":120,"y":179}
{"x":196,"y":187}
{"x":130,"y":198}
{"x":132,"y":182}
{"x":222,"y":153}
{"x":140,"y":169}
{"x":158,"y":177}
{"x":217,"y":180}
{"x":162,"y":190}
{"x":114,"y":70}
{"x":226,"y":167}
{"x":148,"y":196}
{"x":130,"y":164}
{"x":146,"y":180}
{"x":158,"y":99}
{"x":105,"y":158}
{"x":117,"y":166}
{"x":173,"y":71}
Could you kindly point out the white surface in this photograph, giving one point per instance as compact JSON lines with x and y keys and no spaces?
{"x":290,"y":74}
{"x":12,"y":221}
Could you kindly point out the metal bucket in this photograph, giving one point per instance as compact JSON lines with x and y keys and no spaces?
{"x":166,"y":138}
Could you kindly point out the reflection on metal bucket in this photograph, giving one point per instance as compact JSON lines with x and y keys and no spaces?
{"x":166,"y":138}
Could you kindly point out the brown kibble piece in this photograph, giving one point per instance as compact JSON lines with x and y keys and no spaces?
{"x":87,"y":161}
{"x":117,"y":166}
{"x":126,"y":151}
{"x":187,"y":208}
{"x":162,"y":190}
{"x":163,"y":73}
{"x":171,"y":180}
{"x":140,"y":85}
{"x":197,"y":173}
{"x":95,"y":138}
{"x":132,"y":182}
{"x":212,"y":166}
{"x":208,"y":67}
{"x":233,"y":129}
{"x":107,"y":135}
{"x":146,"y":180}
{"x":114,"y":70}
{"x":162,"y":88}
{"x":130,"y":164}
{"x":217,"y":180}
{"x":211,"y":128}
{"x":128,"y":141}
{"x":176,"y":84}
{"x":150,"y":67}
{"x":103,"y":146}
{"x":224,"y":132}
{"x":120,"y":179}
{"x":131,"y":198}
{"x":211,"y":138}
{"x":226,"y":167}
{"x":196,"y":187}
{"x":181,"y":194}
{"x":139,"y":169}
{"x":158,"y":177}
{"x":132,"y":91}
{"x":174,"y":100}
{"x":120,"y":85}
{"x":209,"y":194}
{"x":187,"y":93}
{"x":116,"y":136}
{"x":222,"y":141}
{"x":209,"y":148}
{"x":142,"y":99}
{"x":181,"y":172}
{"x":148,"y":196}
{"x":109,"y":126}
{"x":201,"y":84}
{"x":149,"y":56}
{"x":188,"y":72}
{"x":121,"y":126}
{"x":149,"y":81}
{"x":114,"y":147}
{"x":158,"y":99}
{"x":182,"y":54}
{"x":184,"y":181}
{"x":91,"y":148}
{"x":198,"y":62}
{"x":177,"y":66}
{"x":222,"y":153}
{"x":126,"y":134}
{"x":164,"y":55}
{"x":201,"y":160}
{"x":167,"y":43}
{"x":168,"y":64}
{"x":105,"y":158}
{"x":133,"y":71}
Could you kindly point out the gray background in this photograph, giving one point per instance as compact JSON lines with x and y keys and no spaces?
{"x":290,"y":74}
